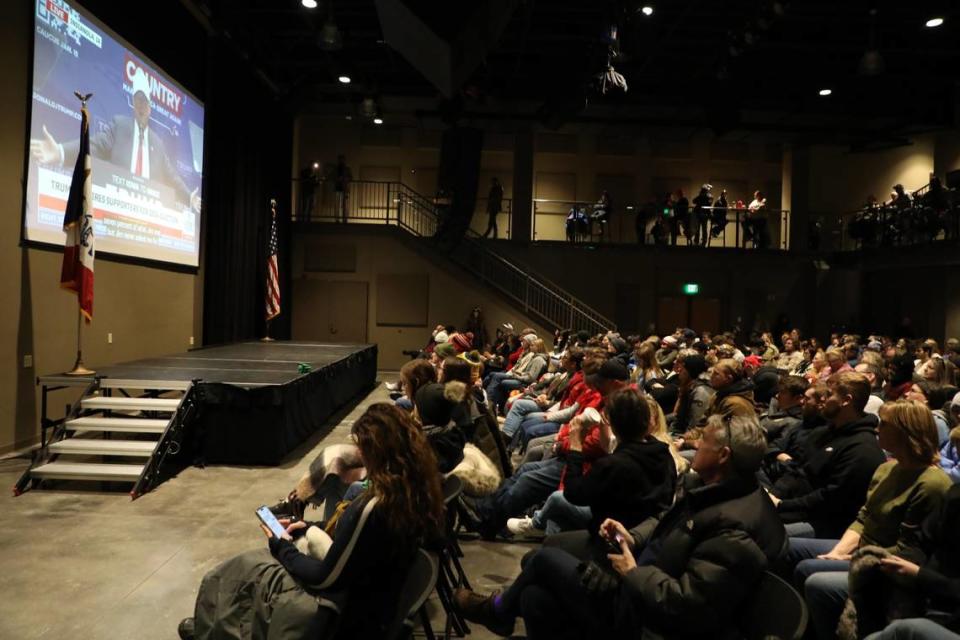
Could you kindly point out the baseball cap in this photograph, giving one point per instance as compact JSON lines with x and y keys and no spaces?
{"x":695,"y":365}
{"x":955,"y":403}
{"x":752,"y":361}
{"x":612,"y":369}
{"x":670,"y":340}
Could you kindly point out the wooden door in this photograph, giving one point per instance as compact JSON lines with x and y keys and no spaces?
{"x":671,"y":313}
{"x":330,"y":311}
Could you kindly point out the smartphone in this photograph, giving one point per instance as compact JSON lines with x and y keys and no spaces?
{"x":270,"y":521}
{"x":614,"y":545}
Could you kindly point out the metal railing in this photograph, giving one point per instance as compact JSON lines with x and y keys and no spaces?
{"x":396,"y":204}
{"x":884,"y":227}
{"x":572,"y":221}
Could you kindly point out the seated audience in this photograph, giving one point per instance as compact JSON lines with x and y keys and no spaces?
{"x":527,"y":370}
{"x":694,"y":392}
{"x":789,"y":411}
{"x":733,"y":396}
{"x":275,"y":593}
{"x":647,"y":368}
{"x":949,"y":456}
{"x":631,"y":484}
{"x":436,"y":405}
{"x":414,"y":375}
{"x":541,"y":398}
{"x":789,"y":450}
{"x":667,"y":353}
{"x":535,"y":481}
{"x":686,"y":574}
{"x":926,"y":393}
{"x":821,"y":496}
{"x":935,"y":583}
{"x":903,"y":493}
{"x":790,"y":358}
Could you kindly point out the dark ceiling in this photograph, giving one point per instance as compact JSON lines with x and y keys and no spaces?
{"x":751,"y":64}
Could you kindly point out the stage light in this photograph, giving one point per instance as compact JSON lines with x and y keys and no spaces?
{"x":309,"y":4}
{"x":934,"y":22}
{"x":378,"y":121}
{"x":316,"y":165}
{"x":344,"y":79}
{"x":646,"y":10}
{"x":826,"y":92}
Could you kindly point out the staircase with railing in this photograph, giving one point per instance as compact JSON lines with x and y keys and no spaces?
{"x":396,"y":204}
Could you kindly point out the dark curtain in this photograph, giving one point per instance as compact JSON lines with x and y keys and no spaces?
{"x":248,"y":150}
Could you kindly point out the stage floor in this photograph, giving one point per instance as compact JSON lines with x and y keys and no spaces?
{"x":245,"y":364}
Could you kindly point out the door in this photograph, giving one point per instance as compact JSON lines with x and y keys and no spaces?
{"x":330,"y":311}
{"x":671,"y":313}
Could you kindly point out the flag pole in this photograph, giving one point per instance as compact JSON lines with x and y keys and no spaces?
{"x":273,"y":230}
{"x":78,"y":368}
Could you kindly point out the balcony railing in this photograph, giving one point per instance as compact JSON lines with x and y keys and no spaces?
{"x":555,"y":220}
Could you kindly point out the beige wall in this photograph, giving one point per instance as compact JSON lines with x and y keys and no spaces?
{"x":840,"y":181}
{"x":451,"y":295}
{"x":148,"y":311}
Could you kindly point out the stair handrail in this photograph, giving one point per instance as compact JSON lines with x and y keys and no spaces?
{"x":167,"y":444}
{"x":426,"y":208}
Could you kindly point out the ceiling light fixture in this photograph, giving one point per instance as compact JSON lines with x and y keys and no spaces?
{"x":826,"y":92}
{"x":646,"y":10}
{"x":309,"y":4}
{"x":378,"y":121}
{"x":344,"y":79}
{"x":934,"y":22}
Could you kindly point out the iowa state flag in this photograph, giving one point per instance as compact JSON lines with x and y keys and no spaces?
{"x":77,"y":270}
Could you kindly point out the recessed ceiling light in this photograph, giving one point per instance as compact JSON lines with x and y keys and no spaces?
{"x":344,"y":79}
{"x":826,"y":92}
{"x":316,"y":165}
{"x":349,"y":117}
{"x":309,"y":4}
{"x":646,"y":10}
{"x":934,"y":22}
{"x":378,"y":121}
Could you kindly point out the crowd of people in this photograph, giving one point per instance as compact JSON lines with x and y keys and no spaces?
{"x":659,"y":478}
{"x":664,"y":220}
{"x":907,"y":218}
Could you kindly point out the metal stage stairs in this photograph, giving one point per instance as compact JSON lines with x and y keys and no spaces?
{"x":124,"y":432}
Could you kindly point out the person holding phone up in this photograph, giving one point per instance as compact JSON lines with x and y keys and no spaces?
{"x":275,"y":593}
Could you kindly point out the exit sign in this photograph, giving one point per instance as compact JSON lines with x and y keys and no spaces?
{"x":691,"y":288}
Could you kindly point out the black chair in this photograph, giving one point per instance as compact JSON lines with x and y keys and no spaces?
{"x":776,"y":610}
{"x":419,"y":584}
{"x":452,"y":575}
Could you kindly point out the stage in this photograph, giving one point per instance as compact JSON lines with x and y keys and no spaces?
{"x":253,"y":404}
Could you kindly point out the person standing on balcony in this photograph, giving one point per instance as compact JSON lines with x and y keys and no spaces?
{"x":494,"y":205}
{"x":342,"y":177}
{"x":758,"y":220}
{"x":701,"y":216}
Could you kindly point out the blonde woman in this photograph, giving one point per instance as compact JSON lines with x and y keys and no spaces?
{"x":658,"y":430}
{"x":647,"y":367}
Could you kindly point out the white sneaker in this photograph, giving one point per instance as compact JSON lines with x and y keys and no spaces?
{"x":391,"y":386}
{"x":523,"y":527}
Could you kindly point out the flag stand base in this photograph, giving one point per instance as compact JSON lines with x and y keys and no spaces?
{"x":79,"y":369}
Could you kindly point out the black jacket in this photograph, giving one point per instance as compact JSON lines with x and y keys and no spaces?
{"x":939,"y":577}
{"x":711,"y":549}
{"x":777,"y":424}
{"x":631,"y":484}
{"x":829,"y":488}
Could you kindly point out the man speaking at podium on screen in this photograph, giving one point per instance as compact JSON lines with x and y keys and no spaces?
{"x":126,"y":142}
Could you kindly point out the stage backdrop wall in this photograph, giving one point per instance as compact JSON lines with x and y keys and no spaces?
{"x":147,"y":311}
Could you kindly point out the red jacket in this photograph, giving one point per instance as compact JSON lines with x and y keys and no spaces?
{"x":513,"y":357}
{"x":591,"y":448}
{"x":574,"y":390}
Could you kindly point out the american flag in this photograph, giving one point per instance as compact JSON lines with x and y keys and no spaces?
{"x":76,"y":272}
{"x":273,"y":271}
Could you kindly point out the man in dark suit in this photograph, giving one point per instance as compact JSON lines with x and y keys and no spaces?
{"x":126,"y":142}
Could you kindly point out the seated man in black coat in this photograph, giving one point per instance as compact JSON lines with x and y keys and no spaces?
{"x":821,"y":497}
{"x":687,"y":574}
{"x":789,"y":409}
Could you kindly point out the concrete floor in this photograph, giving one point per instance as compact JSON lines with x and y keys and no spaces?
{"x":80,"y":562}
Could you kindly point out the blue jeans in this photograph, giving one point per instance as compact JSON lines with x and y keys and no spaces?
{"x":531,"y":484}
{"x":493,"y":383}
{"x":530,"y":429}
{"x":559,"y":514}
{"x":800,"y":530}
{"x":404,"y":403}
{"x":914,"y":629}
{"x":826,"y":593}
{"x":521,"y":409}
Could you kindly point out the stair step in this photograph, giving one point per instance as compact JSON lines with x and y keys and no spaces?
{"x":127,"y":404}
{"x":125,"y":425}
{"x":87,"y":471}
{"x":152,"y":385}
{"x":99,"y":447}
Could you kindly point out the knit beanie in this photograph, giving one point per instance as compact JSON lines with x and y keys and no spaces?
{"x":462,"y":341}
{"x":445,"y":350}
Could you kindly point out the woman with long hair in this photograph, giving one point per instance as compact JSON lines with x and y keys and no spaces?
{"x":275,"y":593}
{"x":647,"y":366}
{"x":413,"y":375}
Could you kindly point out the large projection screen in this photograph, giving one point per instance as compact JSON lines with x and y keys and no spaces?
{"x":146,"y":141}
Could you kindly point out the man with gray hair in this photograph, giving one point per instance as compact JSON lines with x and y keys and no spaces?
{"x":684,"y":574}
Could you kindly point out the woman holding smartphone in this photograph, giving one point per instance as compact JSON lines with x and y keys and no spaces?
{"x":275,"y":593}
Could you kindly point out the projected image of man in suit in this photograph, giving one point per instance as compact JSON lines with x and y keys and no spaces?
{"x":127,"y":142}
